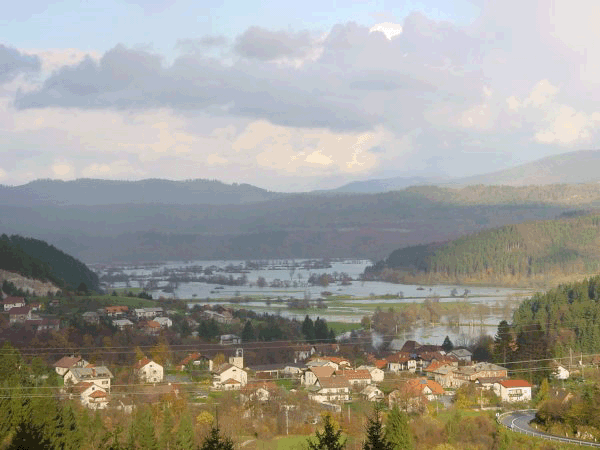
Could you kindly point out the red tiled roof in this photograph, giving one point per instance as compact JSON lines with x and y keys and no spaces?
{"x":231,"y":381}
{"x":12,"y":300}
{"x":19,"y":310}
{"x":141,"y":363}
{"x":334,"y":382}
{"x":514,"y":383}
{"x":381,"y":363}
{"x":66,"y":362}
{"x":323,"y":372}
{"x":362,"y":374}
{"x":98,"y":394}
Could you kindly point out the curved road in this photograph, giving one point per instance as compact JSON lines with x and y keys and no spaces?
{"x":519,"y":421}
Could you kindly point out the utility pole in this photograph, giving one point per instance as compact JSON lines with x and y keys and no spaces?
{"x":287,"y":423}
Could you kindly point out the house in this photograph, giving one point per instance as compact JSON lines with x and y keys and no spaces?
{"x":230,"y":339}
{"x":91,"y":395}
{"x":228,"y":376}
{"x":410,"y":347}
{"x":356,"y":377}
{"x":313,"y":374}
{"x":331,"y":361}
{"x":151,"y":327}
{"x":147,"y":313}
{"x":42,"y":324}
{"x":401,"y":361}
{"x":35,"y":306}
{"x":148,"y":371}
{"x":91,"y":317}
{"x":293,"y":370}
{"x":164,"y":322}
{"x":372,"y":393}
{"x":479,"y":370}
{"x":122,"y":324}
{"x":330,"y":389}
{"x":443,"y":374}
{"x":116,"y":311}
{"x":414,"y":394}
{"x":195,"y":361}
{"x":561,"y":372}
{"x":65,"y":363}
{"x":513,"y":390}
{"x":19,"y":314}
{"x":224,"y":317}
{"x":260,"y":392}
{"x":100,"y":376}
{"x":303,"y":352}
{"x":377,"y":375}
{"x":13,"y":302}
{"x":462,"y":354}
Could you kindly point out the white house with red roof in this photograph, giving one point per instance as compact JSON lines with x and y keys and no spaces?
{"x":227,"y":376}
{"x":513,"y":390}
{"x":360,"y":377}
{"x":13,"y":302}
{"x":148,"y":371}
{"x":91,"y":395}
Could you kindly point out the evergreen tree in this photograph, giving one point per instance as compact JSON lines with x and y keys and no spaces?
{"x":308,"y":329}
{"x":215,"y":441}
{"x":329,"y":438}
{"x":143,"y":430}
{"x":447,"y":346}
{"x":376,"y":439}
{"x":248,"y":332}
{"x":397,"y":430}
{"x":321,"y":331}
{"x":184,"y":440}
{"x":165,"y":440}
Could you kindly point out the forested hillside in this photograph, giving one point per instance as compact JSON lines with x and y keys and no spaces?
{"x":37,"y":259}
{"x":530,"y":250}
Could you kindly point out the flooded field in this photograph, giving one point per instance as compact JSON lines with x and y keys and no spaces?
{"x":288,"y":288}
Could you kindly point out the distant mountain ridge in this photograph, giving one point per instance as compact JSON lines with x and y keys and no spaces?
{"x":381,"y":185}
{"x":92,"y":192}
{"x":582,"y":166}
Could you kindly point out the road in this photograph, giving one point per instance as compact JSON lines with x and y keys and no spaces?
{"x":518,"y":421}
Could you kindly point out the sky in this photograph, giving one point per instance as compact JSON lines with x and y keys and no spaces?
{"x":293,"y":96}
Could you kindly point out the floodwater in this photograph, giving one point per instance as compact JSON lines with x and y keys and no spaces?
{"x":273,"y":300}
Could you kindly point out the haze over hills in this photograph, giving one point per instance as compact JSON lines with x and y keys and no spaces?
{"x":375,"y":186}
{"x":89,"y":192}
{"x":581,"y":166}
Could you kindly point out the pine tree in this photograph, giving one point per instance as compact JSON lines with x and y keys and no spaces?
{"x":376,"y":439}
{"x":308,"y":329}
{"x":329,"y":438}
{"x":214,"y":441}
{"x":143,"y":428}
{"x":184,"y":440}
{"x":248,"y":332}
{"x":397,"y":430}
{"x":165,"y":441}
{"x":447,"y":346}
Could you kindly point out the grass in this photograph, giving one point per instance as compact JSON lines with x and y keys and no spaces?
{"x":343,"y":327}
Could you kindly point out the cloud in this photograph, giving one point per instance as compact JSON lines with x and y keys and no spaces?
{"x":201,"y":44}
{"x":13,"y":63}
{"x":63,"y":171}
{"x":262,"y":44}
{"x":389,"y":29}
{"x":119,"y":169}
{"x":215,"y":159}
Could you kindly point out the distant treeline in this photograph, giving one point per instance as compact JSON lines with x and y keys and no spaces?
{"x":33,"y":258}
{"x":566,"y":245}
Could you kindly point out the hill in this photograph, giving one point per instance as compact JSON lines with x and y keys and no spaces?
{"x":384,"y":185}
{"x":91,"y":192}
{"x":36,"y":259}
{"x":581,"y":166}
{"x":520,"y":253}
{"x":299,"y":225}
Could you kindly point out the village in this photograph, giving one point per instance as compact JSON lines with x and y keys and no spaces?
{"x":411,"y":375}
